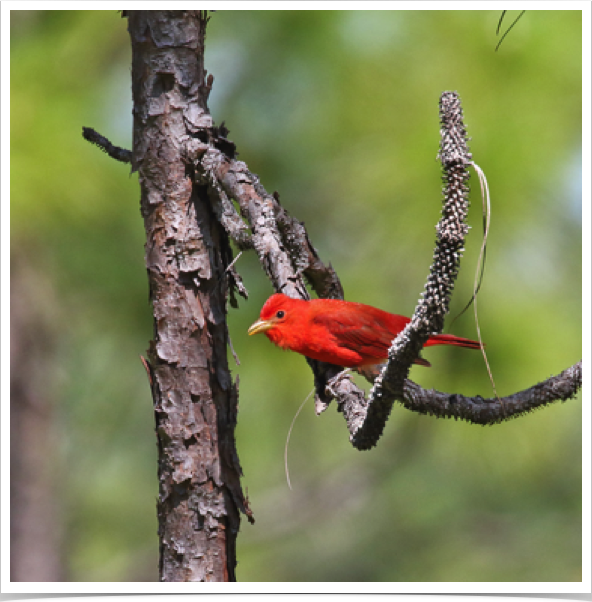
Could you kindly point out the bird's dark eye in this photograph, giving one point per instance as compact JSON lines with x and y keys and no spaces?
{"x":280,"y":314}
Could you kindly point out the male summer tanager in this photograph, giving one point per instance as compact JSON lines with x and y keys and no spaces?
{"x":347,"y":334}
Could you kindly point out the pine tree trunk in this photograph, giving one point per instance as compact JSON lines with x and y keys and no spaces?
{"x":187,"y":252}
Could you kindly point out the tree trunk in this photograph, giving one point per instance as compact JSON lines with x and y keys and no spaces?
{"x":187,"y":253}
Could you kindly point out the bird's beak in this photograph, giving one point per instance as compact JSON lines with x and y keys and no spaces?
{"x":260,"y":326}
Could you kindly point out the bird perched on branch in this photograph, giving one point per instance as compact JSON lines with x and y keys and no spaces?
{"x":347,"y":334}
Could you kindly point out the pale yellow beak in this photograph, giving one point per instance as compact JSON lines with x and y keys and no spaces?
{"x":260,"y":326}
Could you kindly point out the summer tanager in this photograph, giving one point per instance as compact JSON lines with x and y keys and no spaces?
{"x":347,"y":334}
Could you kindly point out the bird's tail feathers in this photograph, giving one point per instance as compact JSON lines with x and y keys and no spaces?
{"x":450,"y":339}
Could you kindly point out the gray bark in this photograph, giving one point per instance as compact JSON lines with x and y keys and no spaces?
{"x":187,"y":253}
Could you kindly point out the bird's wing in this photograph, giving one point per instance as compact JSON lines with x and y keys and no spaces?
{"x":364,"y":329}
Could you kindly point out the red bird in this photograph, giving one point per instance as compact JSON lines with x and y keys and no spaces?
{"x":347,"y":334}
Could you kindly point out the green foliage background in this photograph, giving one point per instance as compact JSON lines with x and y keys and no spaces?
{"x":338,"y":111}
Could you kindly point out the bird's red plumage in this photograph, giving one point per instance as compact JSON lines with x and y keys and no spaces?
{"x":338,"y":332}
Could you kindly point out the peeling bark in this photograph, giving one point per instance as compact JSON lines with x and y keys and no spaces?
{"x":187,"y":254}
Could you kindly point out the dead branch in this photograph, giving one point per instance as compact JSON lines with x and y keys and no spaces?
{"x":290,"y":260}
{"x":477,"y":410}
{"x":287,"y":255}
{"x":428,"y":318}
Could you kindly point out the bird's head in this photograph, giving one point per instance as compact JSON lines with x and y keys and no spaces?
{"x":276,"y":316}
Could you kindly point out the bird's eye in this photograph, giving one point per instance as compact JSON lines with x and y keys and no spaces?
{"x":280,"y":314}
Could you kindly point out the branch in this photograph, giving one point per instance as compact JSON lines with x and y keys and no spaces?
{"x":115,"y":152}
{"x":366,"y":418}
{"x":280,"y":241}
{"x":288,"y":258}
{"x":476,"y":410}
{"x":428,"y":318}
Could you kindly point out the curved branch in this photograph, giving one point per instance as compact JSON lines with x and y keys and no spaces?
{"x":428,"y":318}
{"x":288,"y":257}
{"x":476,"y":410}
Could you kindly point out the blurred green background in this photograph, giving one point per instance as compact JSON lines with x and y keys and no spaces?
{"x":338,"y":111}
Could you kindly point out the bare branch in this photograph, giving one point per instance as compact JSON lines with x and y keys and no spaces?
{"x":115,"y":152}
{"x":281,"y":242}
{"x":428,"y":318}
{"x":366,"y":418}
{"x":476,"y":410}
{"x":287,"y":255}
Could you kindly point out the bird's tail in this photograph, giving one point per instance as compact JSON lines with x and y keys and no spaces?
{"x":371,"y":371}
{"x":450,"y":339}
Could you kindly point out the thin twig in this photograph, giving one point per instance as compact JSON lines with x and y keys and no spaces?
{"x":115,"y":152}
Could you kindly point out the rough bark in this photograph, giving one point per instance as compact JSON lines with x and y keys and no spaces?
{"x":187,"y":253}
